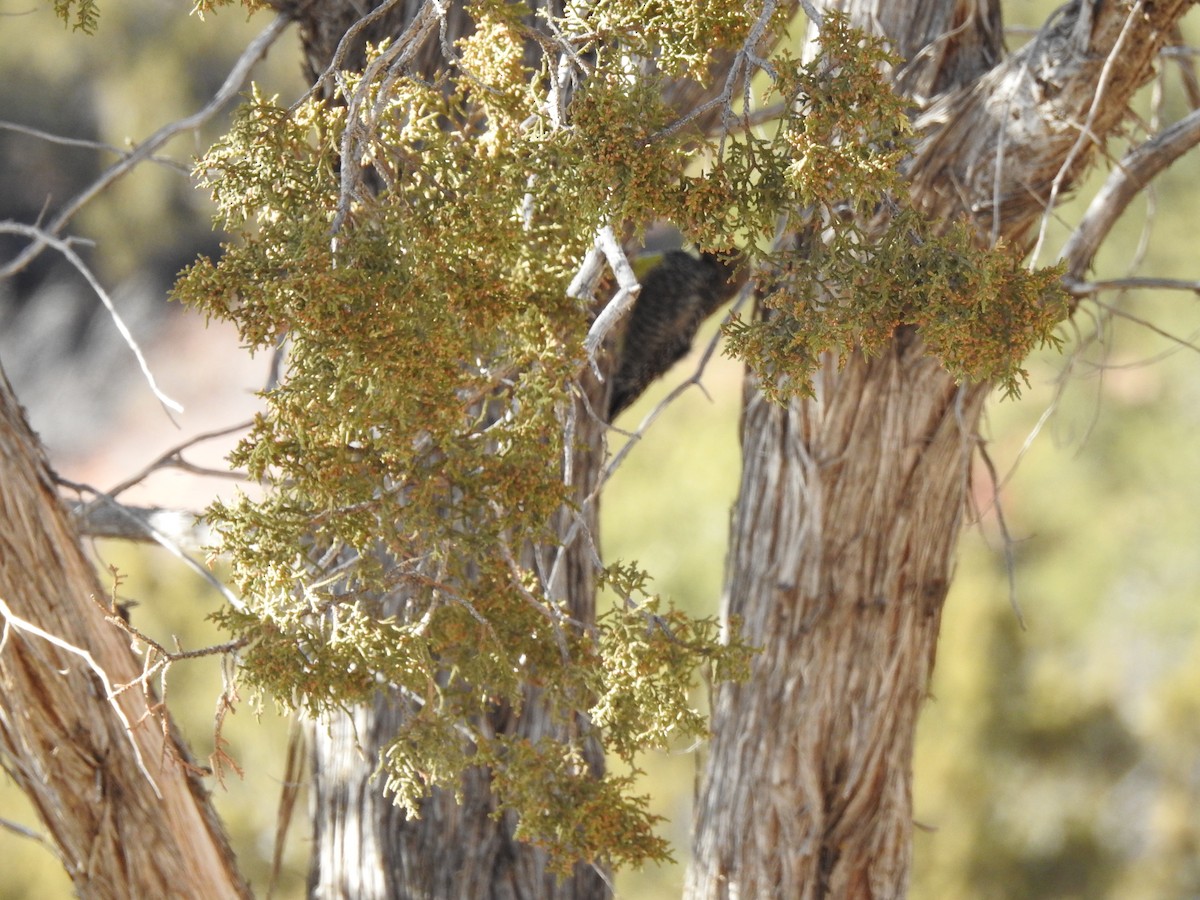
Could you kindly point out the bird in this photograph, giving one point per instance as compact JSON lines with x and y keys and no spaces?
{"x":677,"y":296}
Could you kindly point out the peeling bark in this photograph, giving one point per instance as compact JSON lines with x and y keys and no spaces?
{"x":127,"y":818}
{"x":851,"y":502}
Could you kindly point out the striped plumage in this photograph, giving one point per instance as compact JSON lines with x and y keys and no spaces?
{"x":677,"y":296}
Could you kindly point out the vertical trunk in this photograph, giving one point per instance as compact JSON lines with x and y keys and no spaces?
{"x":842,"y":542}
{"x":127,"y":818}
{"x":365,"y":846}
{"x":851,"y":501}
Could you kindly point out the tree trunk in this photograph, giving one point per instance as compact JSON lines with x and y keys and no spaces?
{"x":127,"y":818}
{"x":365,"y":846}
{"x":851,"y":501}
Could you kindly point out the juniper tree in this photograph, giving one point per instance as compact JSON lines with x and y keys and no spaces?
{"x":425,"y":232}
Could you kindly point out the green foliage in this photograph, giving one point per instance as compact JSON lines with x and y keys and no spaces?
{"x":648,"y":656}
{"x":865,"y":263}
{"x":411,"y":451}
{"x":81,"y":15}
{"x":412,"y":448}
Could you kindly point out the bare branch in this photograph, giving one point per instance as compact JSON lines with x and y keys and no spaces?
{"x":583,"y":285}
{"x":1132,"y":174}
{"x":1087,"y":132}
{"x":333,"y":70}
{"x":358,"y":131}
{"x":21,"y":831}
{"x":47,"y":239}
{"x":1184,"y":58}
{"x":613,"y":464}
{"x":104,"y":517}
{"x":1010,"y":562}
{"x":629,"y":288}
{"x":87,"y":145}
{"x":182,"y":527}
{"x":739,"y":70}
{"x":1091,"y":288}
{"x":145,"y":150}
{"x":173,"y":459}
{"x":1182,"y":343}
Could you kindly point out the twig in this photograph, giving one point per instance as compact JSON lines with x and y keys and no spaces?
{"x":293,"y":773}
{"x":1183,"y":56}
{"x":746,"y":57}
{"x":1085,"y":132}
{"x":357,"y":131}
{"x":149,"y":528}
{"x":1183,"y":343}
{"x":1090,"y":288}
{"x":182,"y":527}
{"x":13,"y":621}
{"x":47,"y":239}
{"x":21,"y":831}
{"x":628,"y":291}
{"x":145,"y":150}
{"x":1010,"y":563}
{"x":333,"y":70}
{"x":87,"y":144}
{"x":1124,"y":183}
{"x":173,"y":459}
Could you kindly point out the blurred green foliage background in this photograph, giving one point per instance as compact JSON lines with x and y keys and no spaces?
{"x":1061,"y":760}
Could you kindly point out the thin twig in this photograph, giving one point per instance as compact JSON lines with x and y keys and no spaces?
{"x":163,"y":540}
{"x":47,"y":239}
{"x":1091,"y":288}
{"x":333,"y":70}
{"x":173,"y":458}
{"x":1086,"y":134}
{"x":13,"y":621}
{"x":1183,"y":343}
{"x":1010,"y":562}
{"x":1138,"y":167}
{"x":746,"y":57}
{"x":145,"y":150}
{"x":87,"y":145}
{"x":357,"y":131}
{"x":622,"y":301}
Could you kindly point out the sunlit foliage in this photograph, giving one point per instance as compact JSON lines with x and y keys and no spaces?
{"x":412,"y":240}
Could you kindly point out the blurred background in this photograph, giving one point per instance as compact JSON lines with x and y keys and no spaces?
{"x":1061,"y":760}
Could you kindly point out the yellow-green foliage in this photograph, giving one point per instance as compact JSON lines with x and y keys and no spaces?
{"x":412,"y":449}
{"x":864,"y":262}
{"x":81,"y":15}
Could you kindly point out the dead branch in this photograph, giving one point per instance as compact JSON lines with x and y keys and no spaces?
{"x":1126,"y":181}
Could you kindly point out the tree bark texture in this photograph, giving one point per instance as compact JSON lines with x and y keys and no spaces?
{"x":850,"y":505}
{"x":127,"y":818}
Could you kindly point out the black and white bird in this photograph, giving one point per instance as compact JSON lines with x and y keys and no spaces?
{"x":677,"y":296}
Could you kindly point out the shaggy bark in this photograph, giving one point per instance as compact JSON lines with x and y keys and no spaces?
{"x":127,"y":819}
{"x":851,"y":501}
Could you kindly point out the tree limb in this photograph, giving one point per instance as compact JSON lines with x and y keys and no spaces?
{"x":147,"y":524}
{"x":145,"y":150}
{"x":1126,"y":181}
